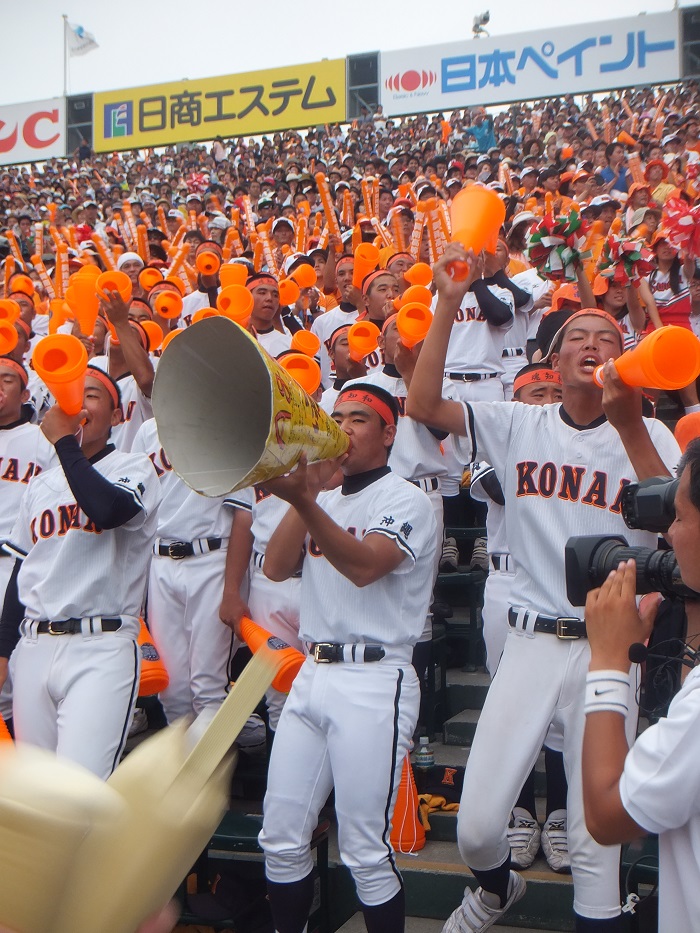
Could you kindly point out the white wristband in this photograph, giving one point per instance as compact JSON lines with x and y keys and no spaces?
{"x":607,"y":692}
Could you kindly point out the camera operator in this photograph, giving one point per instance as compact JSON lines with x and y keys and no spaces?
{"x":654,"y":786}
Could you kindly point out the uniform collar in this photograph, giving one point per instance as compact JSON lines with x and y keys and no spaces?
{"x":567,"y":419}
{"x":360,"y":481}
{"x":102,"y":453}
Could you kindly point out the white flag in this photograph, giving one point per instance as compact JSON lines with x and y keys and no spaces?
{"x":79,"y":41}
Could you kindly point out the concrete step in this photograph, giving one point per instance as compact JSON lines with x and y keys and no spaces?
{"x":356,"y":924}
{"x":460,"y":729}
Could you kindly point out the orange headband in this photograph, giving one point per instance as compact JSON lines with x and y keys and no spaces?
{"x":104,"y":379}
{"x":344,"y":259}
{"x":540,"y":376}
{"x":364,"y":397}
{"x":369,"y":279}
{"x":25,"y":327}
{"x":7,"y":363}
{"x":389,"y":320}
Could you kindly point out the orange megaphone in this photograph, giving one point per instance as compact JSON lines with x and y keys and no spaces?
{"x":233,"y":273}
{"x":115,"y":282}
{"x":83,"y":301}
{"x":413,"y":323}
{"x":149,"y":277}
{"x":155,"y":334}
{"x":154,"y":677}
{"x":624,"y":137}
{"x":255,"y":636}
{"x":61,"y":361}
{"x":9,"y":310}
{"x":204,"y":313}
{"x":420,"y":273}
{"x":363,"y":339}
{"x":476,"y":214}
{"x":22,"y":283}
{"x":303,"y":341}
{"x":289,"y":292}
{"x":168,"y":337}
{"x":304,"y":275}
{"x":304,"y":369}
{"x":208,"y":262}
{"x":668,"y":358}
{"x":236,"y":302}
{"x":407,"y":830}
{"x":366,"y":261}
{"x":4,"y":732}
{"x":416,"y":293}
{"x":168,"y":304}
{"x":8,"y":337}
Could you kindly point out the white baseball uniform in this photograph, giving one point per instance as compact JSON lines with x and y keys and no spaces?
{"x":192,"y":303}
{"x":273,"y":605}
{"x":184,"y":593}
{"x":136,"y":407}
{"x":274,"y":341}
{"x":659,"y":789}
{"x":74,"y":694}
{"x":323,"y":327}
{"x":24,"y":452}
{"x":558,"y":480}
{"x":349,"y":724}
{"x":514,"y":356}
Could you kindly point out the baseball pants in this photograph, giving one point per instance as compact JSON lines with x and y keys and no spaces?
{"x":497,"y":601}
{"x":275,"y":606}
{"x":349,"y":726}
{"x":183,"y":614}
{"x":540,"y":680}
{"x":490,"y":390}
{"x":75,"y":694}
{"x":6,"y":565}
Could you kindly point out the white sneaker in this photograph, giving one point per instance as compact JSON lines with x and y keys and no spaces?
{"x":139,"y":723}
{"x":449,"y":562}
{"x":252,"y":737}
{"x":480,"y":556}
{"x":524,"y":837}
{"x":473,"y":915}
{"x":555,"y":842}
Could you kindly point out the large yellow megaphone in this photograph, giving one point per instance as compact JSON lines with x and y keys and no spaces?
{"x":123,"y":846}
{"x":238,"y":418}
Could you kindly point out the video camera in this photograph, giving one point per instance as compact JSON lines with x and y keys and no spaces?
{"x":648,"y":506}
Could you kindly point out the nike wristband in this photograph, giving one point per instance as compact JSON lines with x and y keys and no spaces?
{"x":607,"y":692}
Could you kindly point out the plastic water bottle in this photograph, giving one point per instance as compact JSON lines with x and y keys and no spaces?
{"x":424,"y":757}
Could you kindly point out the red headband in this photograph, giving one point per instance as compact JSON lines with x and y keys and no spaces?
{"x":370,"y":279}
{"x":7,"y":363}
{"x":540,"y":376}
{"x":365,"y":397}
{"x":104,"y":379}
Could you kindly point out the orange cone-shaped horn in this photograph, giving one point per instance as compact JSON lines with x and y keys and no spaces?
{"x":413,"y":323}
{"x":668,"y":358}
{"x":303,"y":341}
{"x":22,"y":283}
{"x":420,"y":273}
{"x":255,"y":636}
{"x":625,"y":138}
{"x":304,"y":369}
{"x":363,"y":339}
{"x":114,"y":282}
{"x":476,"y":216}
{"x":416,"y":293}
{"x":8,"y":337}
{"x":289,"y":292}
{"x":61,"y":361}
{"x":83,"y":302}
{"x":366,"y":261}
{"x":304,"y":275}
{"x":154,"y":677}
{"x":9,"y":310}
{"x":204,"y":313}
{"x":407,"y":831}
{"x":155,"y":334}
{"x":168,"y":337}
{"x":149,"y":277}
{"x":687,"y":429}
{"x":236,"y":302}
{"x":208,"y":262}
{"x":168,"y":304}
{"x":4,"y":732}
{"x":233,"y":273}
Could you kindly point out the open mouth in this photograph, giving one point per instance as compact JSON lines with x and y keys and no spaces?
{"x":589,"y":364}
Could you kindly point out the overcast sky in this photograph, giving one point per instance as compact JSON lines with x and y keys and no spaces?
{"x":144,"y":42}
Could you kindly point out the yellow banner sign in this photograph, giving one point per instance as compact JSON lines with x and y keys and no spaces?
{"x":234,"y":105}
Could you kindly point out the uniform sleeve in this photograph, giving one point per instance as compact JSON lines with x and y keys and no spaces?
{"x":137,"y":477}
{"x":138,"y":445}
{"x":407,"y":518}
{"x":665,"y":443}
{"x":660,"y":784}
{"x":480,"y":471}
{"x":20,"y":541}
{"x":241,"y":499}
{"x":487,"y":431}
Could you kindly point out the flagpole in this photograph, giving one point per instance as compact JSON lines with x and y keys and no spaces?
{"x":65,"y":56}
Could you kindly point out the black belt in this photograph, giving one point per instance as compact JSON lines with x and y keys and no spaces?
{"x":500,"y":562}
{"x":513,"y":351}
{"x":566,"y":627}
{"x":429,"y":485}
{"x":75,"y":627}
{"x":177,"y":550}
{"x":329,"y":653}
{"x":471,"y":377}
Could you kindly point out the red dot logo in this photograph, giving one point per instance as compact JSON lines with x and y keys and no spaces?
{"x":410,"y":81}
